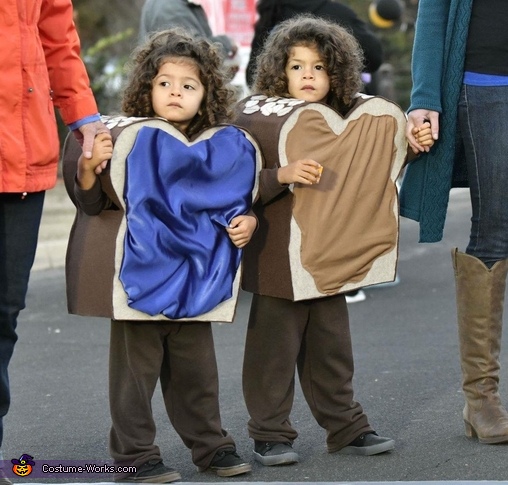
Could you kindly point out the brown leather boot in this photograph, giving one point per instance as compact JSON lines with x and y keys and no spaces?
{"x":480,"y":301}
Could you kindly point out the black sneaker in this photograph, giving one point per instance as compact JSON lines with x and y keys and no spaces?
{"x":368,"y":444}
{"x":153,"y":471}
{"x":227,"y":463}
{"x":270,"y":453}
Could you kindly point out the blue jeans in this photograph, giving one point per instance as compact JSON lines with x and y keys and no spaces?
{"x":19,"y":229}
{"x":483,"y":121}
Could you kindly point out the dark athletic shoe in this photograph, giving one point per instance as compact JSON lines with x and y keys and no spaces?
{"x":227,"y":463}
{"x":271,"y":453}
{"x":153,"y":471}
{"x":368,"y":444}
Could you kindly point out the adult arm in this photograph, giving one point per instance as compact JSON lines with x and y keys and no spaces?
{"x":69,"y":80}
{"x":427,"y":68}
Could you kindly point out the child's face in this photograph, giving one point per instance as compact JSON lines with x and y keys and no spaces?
{"x":306,"y":73}
{"x":177,"y":92}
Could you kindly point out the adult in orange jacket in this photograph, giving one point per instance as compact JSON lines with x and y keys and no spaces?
{"x":41,"y":68}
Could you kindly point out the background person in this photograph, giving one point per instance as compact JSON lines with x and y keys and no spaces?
{"x":188,"y":14}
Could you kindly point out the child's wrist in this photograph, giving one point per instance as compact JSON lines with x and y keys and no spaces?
{"x":280,"y":176}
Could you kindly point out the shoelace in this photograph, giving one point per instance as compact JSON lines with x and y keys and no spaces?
{"x":223,"y":453}
{"x":269,"y":445}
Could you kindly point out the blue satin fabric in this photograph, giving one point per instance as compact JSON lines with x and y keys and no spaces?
{"x":178,"y":259}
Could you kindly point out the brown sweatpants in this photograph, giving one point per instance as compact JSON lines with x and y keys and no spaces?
{"x":182,"y":356}
{"x":313,"y":336}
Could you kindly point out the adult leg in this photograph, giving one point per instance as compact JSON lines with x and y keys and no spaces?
{"x":19,"y":228}
{"x":480,"y":301}
{"x":326,"y":367}
{"x":480,"y":274}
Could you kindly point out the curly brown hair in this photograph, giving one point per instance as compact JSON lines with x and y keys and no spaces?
{"x":339,"y":50}
{"x":176,"y":43}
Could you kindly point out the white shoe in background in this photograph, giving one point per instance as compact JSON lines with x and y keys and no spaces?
{"x":355,"y":296}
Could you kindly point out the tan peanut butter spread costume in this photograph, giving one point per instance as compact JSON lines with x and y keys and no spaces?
{"x":339,"y":234}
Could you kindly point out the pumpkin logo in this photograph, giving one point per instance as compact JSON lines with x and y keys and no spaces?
{"x":23,"y":467}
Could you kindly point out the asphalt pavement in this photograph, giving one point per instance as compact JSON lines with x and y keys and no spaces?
{"x":407,"y":377}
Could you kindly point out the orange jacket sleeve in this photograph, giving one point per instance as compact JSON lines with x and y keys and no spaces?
{"x":67,"y":73}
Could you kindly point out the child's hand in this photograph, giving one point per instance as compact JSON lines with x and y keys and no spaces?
{"x":241,"y":229}
{"x":88,"y":168}
{"x":423,"y":135}
{"x":304,"y":171}
{"x":417,"y":119}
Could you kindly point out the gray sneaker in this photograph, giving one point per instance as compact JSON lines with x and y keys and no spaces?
{"x":270,"y":453}
{"x":368,"y":444}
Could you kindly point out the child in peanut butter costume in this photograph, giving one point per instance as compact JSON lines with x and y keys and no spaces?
{"x":313,"y":60}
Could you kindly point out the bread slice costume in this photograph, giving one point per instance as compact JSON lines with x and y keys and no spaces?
{"x":163,"y":253}
{"x":338,"y":235}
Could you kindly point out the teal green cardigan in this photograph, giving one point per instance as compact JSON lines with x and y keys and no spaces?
{"x":437,"y":70}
